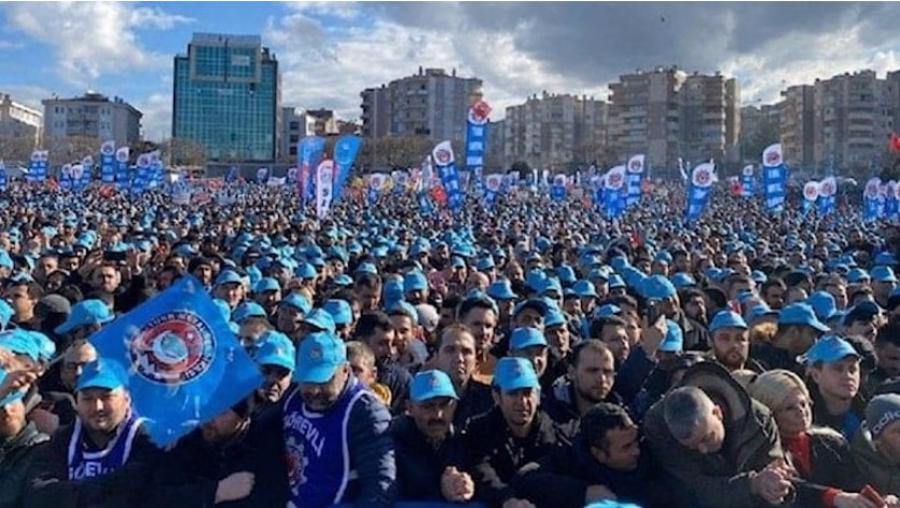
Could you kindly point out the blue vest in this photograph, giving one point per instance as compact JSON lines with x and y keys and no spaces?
{"x":84,"y":464}
{"x":317,"y":448}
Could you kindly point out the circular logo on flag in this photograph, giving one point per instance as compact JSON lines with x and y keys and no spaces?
{"x":479,"y":112}
{"x":107,"y":148}
{"x":811,"y":191}
{"x":773,"y":158}
{"x":442,"y":156}
{"x":747,"y":171}
{"x":77,"y":171}
{"x":702,"y":177}
{"x":143,"y":160}
{"x":122,"y":155}
{"x":36,"y":156}
{"x":493,"y":182}
{"x":66,"y":170}
{"x":614,"y":180}
{"x":87,"y":161}
{"x":871,"y":190}
{"x":635,"y":166}
{"x":376,"y":181}
{"x":559,"y":180}
{"x":826,"y":188}
{"x":292,"y":174}
{"x":173,"y":348}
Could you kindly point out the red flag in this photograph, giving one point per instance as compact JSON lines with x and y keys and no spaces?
{"x":895,"y":142}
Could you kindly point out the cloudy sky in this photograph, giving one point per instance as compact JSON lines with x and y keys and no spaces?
{"x":331,"y":51}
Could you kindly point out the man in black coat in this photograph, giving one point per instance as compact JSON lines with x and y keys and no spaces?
{"x":426,"y":443}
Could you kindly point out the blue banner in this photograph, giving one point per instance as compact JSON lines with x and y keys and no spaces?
{"x":262,"y":176}
{"x":232,"y":175}
{"x":558,"y":189}
{"x":494,"y":185}
{"x":426,"y":207}
{"x":476,"y":142}
{"x":376,"y":184}
{"x":345,"y":151}
{"x":37,"y":167}
{"x":615,"y":192}
{"x":873,"y":206}
{"x":309,"y":154}
{"x":65,"y":177}
{"x":184,"y":363}
{"x":699,"y":190}
{"x":122,"y":177}
{"x":635,"y":176}
{"x":774,"y":178}
{"x":3,"y":178}
{"x":446,"y":165}
{"x":747,"y":189}
{"x":142,"y":175}
{"x":107,"y":161}
{"x":890,"y":200}
{"x":86,"y":174}
{"x":157,"y":169}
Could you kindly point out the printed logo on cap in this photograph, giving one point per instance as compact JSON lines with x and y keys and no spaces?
{"x":172,"y":349}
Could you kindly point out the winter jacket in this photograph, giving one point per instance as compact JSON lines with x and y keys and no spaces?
{"x":16,"y":456}
{"x":474,"y":401}
{"x":831,"y":467}
{"x":880,"y":472}
{"x":419,"y":464}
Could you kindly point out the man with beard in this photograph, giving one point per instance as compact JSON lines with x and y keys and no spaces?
{"x":289,"y":316}
{"x":104,"y":456}
{"x":590,"y":380}
{"x":479,"y":314}
{"x":694,"y":304}
{"x":415,"y":287}
{"x":276,"y":360}
{"x":376,"y":330}
{"x":427,"y":444}
{"x":334,"y":426}
{"x":730,"y":340}
{"x":456,"y":357}
{"x":18,"y":441}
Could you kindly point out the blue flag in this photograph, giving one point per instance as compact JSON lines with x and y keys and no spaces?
{"x":37,"y":167}
{"x":156,"y":169}
{"x":184,"y":363}
{"x":426,"y":207}
{"x":309,"y":154}
{"x":494,"y":185}
{"x":635,"y":176}
{"x":65,"y":177}
{"x":262,"y":176}
{"x":890,"y":200}
{"x":827,"y":193}
{"x":142,"y":177}
{"x":345,"y":151}
{"x":810,"y":195}
{"x":873,"y":200}
{"x":2,"y":176}
{"x":446,"y":165}
{"x":747,"y":181}
{"x":122,"y":177}
{"x":376,"y":184}
{"x":699,"y":190}
{"x":615,"y":192}
{"x":232,"y":175}
{"x":84,"y":178}
{"x":774,"y":177}
{"x":476,"y":142}
{"x":558,"y":189}
{"x":107,"y":161}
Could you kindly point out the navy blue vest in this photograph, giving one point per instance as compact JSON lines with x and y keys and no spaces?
{"x":84,"y":464}
{"x":317,"y":448}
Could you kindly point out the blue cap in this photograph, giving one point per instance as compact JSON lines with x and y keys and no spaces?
{"x":5,"y":260}
{"x":18,"y":341}
{"x":366,"y":268}
{"x":566,"y":274}
{"x":616,"y":281}
{"x":405,"y":308}
{"x":554,"y":317}
{"x":683,"y":280}
{"x":484,"y":264}
{"x":246,"y":310}
{"x":414,"y":281}
{"x":266,"y":284}
{"x":828,"y":350}
{"x":392,"y":291}
{"x":297,"y":301}
{"x":275,"y":348}
{"x":340,"y":311}
{"x":800,"y":314}
{"x":607,"y":310}
{"x":86,"y":312}
{"x":758,"y":311}
{"x":727,"y":319}
{"x":674,"y":339}
{"x":343,"y":280}
{"x":431,"y":384}
{"x":585,"y":289}
{"x":823,"y":304}
{"x":10,"y":397}
{"x":857,"y":275}
{"x":102,"y":373}
{"x":522,"y":338}
{"x":515,"y":374}
{"x":885,"y":259}
{"x":883,"y":274}
{"x":501,"y":289}
{"x":228,"y":277}
{"x":758,"y":277}
{"x":533,"y":303}
{"x":321,"y":319}
{"x":305,"y":271}
{"x":658,"y":287}
{"x":46,"y":347}
{"x":551,"y":284}
{"x":6,"y":314}
{"x":319,"y":357}
{"x":457,"y":262}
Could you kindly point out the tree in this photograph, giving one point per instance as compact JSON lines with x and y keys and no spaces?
{"x":183,"y":152}
{"x":522,"y":167}
{"x":399,"y":152}
{"x":64,"y":150}
{"x":16,"y":149}
{"x":754,"y":142}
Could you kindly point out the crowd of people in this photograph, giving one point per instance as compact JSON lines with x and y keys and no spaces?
{"x":531,"y":353}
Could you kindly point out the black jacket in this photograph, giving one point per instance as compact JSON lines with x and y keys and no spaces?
{"x":16,"y":456}
{"x":397,"y":378}
{"x":419,"y":464}
{"x":474,"y":401}
{"x":48,"y":484}
{"x":832,"y":467}
{"x":561,"y":480}
{"x":494,"y":455}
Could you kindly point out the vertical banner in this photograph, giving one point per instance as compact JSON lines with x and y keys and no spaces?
{"x":122,"y":154}
{"x":810,"y":195}
{"x":324,"y":186}
{"x":426,"y":208}
{"x":493,"y":184}
{"x":345,"y":151}
{"x":232,"y":175}
{"x":872,"y":200}
{"x":598,"y":186}
{"x":698,"y":191}
{"x":774,"y":177}
{"x":87,"y":166}
{"x":476,"y":142}
{"x":558,"y":189}
{"x":157,"y":168}
{"x":262,"y":176}
{"x":635,"y":175}
{"x":827,"y":195}
{"x":615,"y":191}
{"x":3,"y":177}
{"x":292,"y":175}
{"x":747,"y":181}
{"x":107,"y":161}
{"x":65,"y":177}
{"x":142,"y":173}
{"x":376,"y":184}
{"x":37,"y":167}
{"x":309,"y":154}
{"x":446,"y":165}
{"x":429,"y":179}
{"x":890,"y":199}
{"x":77,"y":175}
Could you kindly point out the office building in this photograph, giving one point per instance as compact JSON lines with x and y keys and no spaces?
{"x":20,"y":121}
{"x":92,"y":115}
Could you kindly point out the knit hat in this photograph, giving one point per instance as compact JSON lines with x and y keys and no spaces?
{"x":882,"y":411}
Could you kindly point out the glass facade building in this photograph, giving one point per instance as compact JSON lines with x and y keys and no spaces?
{"x":227,"y":97}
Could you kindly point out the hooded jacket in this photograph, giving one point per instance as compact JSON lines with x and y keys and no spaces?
{"x":880,"y":472}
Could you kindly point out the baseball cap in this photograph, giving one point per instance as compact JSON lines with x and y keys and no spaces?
{"x":857,"y":275}
{"x":228,"y":277}
{"x":102,"y":373}
{"x":514,"y":374}
{"x":343,"y":280}
{"x":829,"y":350}
{"x":533,"y":303}
{"x":522,"y":338}
{"x":865,"y":310}
{"x":674,"y":339}
{"x":431,"y":384}
{"x":246,"y":310}
{"x":86,"y":312}
{"x":683,"y":280}
{"x":800,"y":314}
{"x":321,"y":319}
{"x":319,"y":357}
{"x":554,"y":318}
{"x":414,"y":281}
{"x":883,"y":274}
{"x":275,"y":348}
{"x":6,"y":314}
{"x":266,"y":284}
{"x":607,"y":310}
{"x":727,"y":319}
{"x":19,"y":342}
{"x":298,"y":302}
{"x":658,"y":287}
{"x":340,"y":311}
{"x":616,"y":281}
{"x":585,"y":289}
{"x":10,"y":397}
{"x":823,"y":304}
{"x":501,"y":289}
